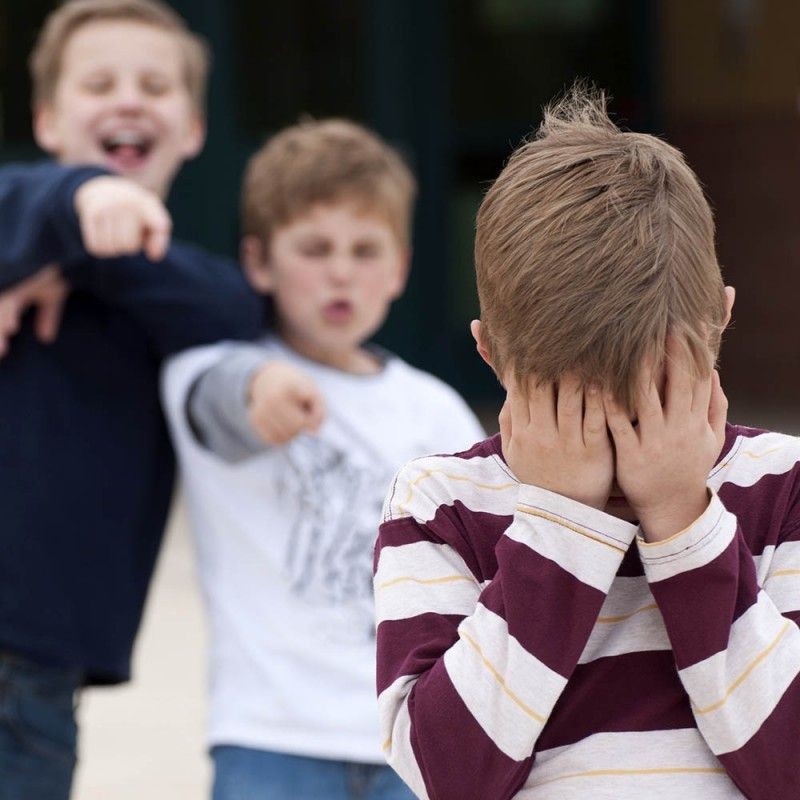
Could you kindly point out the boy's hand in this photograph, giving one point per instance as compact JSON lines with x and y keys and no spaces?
{"x":663,"y":462}
{"x":283,"y":403}
{"x":47,"y":291}
{"x":118,"y":217}
{"x":559,"y":443}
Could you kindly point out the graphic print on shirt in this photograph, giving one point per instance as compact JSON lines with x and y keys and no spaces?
{"x":329,"y":552}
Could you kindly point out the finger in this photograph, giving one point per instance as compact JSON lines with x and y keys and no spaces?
{"x":569,"y":406}
{"x":542,"y":405}
{"x":315,"y":414}
{"x":157,"y":231}
{"x":10,"y":313}
{"x":622,"y":431}
{"x":717,"y":407}
{"x":678,"y":389}
{"x":595,"y":427}
{"x":48,"y":318}
{"x":647,"y":399}
{"x":128,"y":235}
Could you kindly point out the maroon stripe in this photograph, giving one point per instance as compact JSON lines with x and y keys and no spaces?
{"x":457,"y":759}
{"x":699,"y":606}
{"x":794,"y":616}
{"x":631,"y":566}
{"x":490,"y":446}
{"x":412,"y":646}
{"x":768,"y":766}
{"x":548,"y":610}
{"x":472,"y":534}
{"x":766,"y":509}
{"x":791,"y":535}
{"x":631,"y":692}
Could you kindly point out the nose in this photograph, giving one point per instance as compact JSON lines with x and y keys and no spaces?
{"x":128,"y":97}
{"x":340,"y":269}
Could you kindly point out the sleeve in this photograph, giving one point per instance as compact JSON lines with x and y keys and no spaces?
{"x":188,"y":299}
{"x":217,"y":406}
{"x":38,"y":222}
{"x":469,"y":671}
{"x":736,"y":645}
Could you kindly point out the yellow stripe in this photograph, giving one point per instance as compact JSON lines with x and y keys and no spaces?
{"x":738,"y":682}
{"x":387,"y":744}
{"x":608,"y":620}
{"x":425,"y":581}
{"x":534,"y":512}
{"x":599,"y":773}
{"x":782,"y":573}
{"x":494,"y":487}
{"x":750,"y":453}
{"x":499,"y":678}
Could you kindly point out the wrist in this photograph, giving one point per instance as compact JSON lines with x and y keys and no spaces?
{"x":671,"y":517}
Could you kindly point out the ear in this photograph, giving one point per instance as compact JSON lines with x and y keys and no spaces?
{"x":256,"y":266}
{"x":475,"y":330}
{"x":730,"y":299}
{"x":45,"y":129}
{"x":195,"y":137}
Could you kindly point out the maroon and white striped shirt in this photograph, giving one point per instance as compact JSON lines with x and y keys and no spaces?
{"x":533,"y":647}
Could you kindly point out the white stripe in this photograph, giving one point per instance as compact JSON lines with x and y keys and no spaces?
{"x":763,"y":563}
{"x":693,"y":548}
{"x":420,"y":578}
{"x":750,"y":459}
{"x":735,"y":690}
{"x":629,"y":622}
{"x":591,"y":561}
{"x":395,"y":726}
{"x":783,"y":579}
{"x":630,"y":766}
{"x":482,"y":484}
{"x":508,"y":691}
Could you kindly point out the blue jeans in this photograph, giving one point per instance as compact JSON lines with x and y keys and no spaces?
{"x":37,"y":730}
{"x":243,"y":773}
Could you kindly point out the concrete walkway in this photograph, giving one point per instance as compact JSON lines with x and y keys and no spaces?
{"x":145,"y":741}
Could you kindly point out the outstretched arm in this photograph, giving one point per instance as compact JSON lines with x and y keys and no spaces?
{"x":38,"y":220}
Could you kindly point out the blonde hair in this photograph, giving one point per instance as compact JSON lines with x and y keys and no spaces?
{"x":321,"y":162}
{"x":591,"y":245}
{"x":46,"y":56}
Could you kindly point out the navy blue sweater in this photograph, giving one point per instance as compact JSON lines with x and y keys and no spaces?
{"x":86,"y":465}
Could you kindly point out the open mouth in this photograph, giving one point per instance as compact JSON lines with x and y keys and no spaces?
{"x":127,"y":150}
{"x":338,"y":311}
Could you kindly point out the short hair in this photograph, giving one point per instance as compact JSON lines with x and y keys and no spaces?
{"x":46,"y":56}
{"x":322,"y":162}
{"x":592,"y":245}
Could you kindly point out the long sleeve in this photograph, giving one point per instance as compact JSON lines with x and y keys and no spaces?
{"x":737,"y":646}
{"x":189,"y":298}
{"x":38,"y":223}
{"x":217,"y":406}
{"x":469,"y":670}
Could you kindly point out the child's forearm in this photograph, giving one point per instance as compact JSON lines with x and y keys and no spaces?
{"x":468,"y":673}
{"x":217,"y":407}
{"x":736,"y":646}
{"x":38,"y":222}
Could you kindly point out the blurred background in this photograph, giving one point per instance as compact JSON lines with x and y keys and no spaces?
{"x":456,"y":84}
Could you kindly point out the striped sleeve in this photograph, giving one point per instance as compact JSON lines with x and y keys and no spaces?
{"x":469,"y":670}
{"x":736,"y":645}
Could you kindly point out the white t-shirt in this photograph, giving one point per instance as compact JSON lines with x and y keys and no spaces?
{"x":285,"y":538}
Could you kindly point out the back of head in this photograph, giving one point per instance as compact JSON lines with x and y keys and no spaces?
{"x":45,"y":58}
{"x":321,"y":162}
{"x":591,"y":245}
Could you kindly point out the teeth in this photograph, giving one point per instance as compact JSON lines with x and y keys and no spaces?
{"x":123,"y":138}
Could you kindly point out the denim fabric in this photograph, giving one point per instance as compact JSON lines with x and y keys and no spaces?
{"x":38,"y":733}
{"x":242,"y":773}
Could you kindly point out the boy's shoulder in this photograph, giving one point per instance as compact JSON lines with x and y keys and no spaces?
{"x":476,"y":479}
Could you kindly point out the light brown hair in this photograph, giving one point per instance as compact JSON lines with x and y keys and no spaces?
{"x":323,"y":162}
{"x":591,"y":245}
{"x":46,"y":56}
